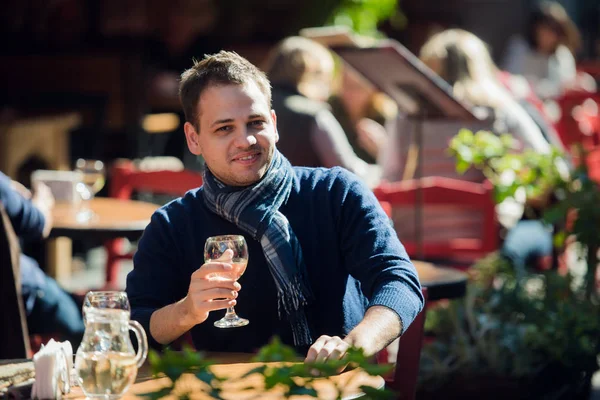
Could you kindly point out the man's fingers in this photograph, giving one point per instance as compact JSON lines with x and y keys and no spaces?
{"x":333,"y":349}
{"x":212,"y":268}
{"x":316,"y":347}
{"x":327,"y":348}
{"x":227,"y":256}
{"x":219,"y":304}
{"x":200,"y":284}
{"x":215,"y":293}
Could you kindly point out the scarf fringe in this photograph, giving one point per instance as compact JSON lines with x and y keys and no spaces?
{"x":300,"y":330}
{"x":292,"y":301}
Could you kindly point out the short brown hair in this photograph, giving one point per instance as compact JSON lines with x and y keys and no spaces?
{"x":291,"y":59}
{"x":223,"y":68}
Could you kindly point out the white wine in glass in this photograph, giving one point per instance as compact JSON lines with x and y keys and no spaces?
{"x":92,"y":172}
{"x":214,"y":248}
{"x":92,"y":181}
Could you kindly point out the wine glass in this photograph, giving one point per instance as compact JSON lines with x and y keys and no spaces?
{"x":92,"y":180}
{"x":213,"y":250}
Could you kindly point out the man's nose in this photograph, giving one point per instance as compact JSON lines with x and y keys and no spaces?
{"x":245,"y":138}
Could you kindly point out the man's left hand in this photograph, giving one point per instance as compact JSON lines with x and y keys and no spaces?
{"x":327,"y":348}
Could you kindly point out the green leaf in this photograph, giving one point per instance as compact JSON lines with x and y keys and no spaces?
{"x":376,"y":394}
{"x":158,"y":394}
{"x":462,"y":166}
{"x":555,"y":214}
{"x":276,"y":351}
{"x":257,"y":370}
{"x":559,"y":239}
{"x":302,"y":391}
{"x":377,"y":369}
{"x":205,"y":376}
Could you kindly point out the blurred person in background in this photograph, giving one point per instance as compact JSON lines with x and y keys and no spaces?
{"x":546,"y":55}
{"x":302,"y":73}
{"x":463,"y":60}
{"x":48,"y":307}
{"x":363,"y":112}
{"x":480,"y":82}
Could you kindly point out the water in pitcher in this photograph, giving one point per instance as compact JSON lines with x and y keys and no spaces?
{"x":106,"y":364}
{"x":106,"y":374}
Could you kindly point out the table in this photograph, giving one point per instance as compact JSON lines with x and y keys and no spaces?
{"x":115,"y":218}
{"x":234,"y":365}
{"x":441,"y":282}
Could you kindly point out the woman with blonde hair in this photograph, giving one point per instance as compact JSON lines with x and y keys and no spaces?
{"x":464,"y":61}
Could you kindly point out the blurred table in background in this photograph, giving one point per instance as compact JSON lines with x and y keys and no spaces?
{"x":114,"y":218}
{"x":441,"y":282}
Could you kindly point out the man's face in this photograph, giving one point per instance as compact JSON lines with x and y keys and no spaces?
{"x":237,"y":133}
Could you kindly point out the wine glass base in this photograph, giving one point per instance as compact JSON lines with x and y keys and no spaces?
{"x":231,"y":322}
{"x":85,"y":216}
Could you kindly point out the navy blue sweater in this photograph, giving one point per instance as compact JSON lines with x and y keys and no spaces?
{"x":353,"y":257}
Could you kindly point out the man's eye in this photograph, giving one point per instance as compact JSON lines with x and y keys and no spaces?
{"x":224,"y":128}
{"x":257,"y":124}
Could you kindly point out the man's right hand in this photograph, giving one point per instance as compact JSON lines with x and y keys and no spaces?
{"x":208,"y":292}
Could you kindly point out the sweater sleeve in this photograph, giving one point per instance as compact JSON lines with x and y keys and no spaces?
{"x":153,"y":283}
{"x":27,"y":221}
{"x":374,"y":255}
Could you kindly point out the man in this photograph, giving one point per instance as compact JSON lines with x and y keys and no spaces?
{"x":326,"y":269}
{"x":48,"y":307}
{"x":302,"y":72}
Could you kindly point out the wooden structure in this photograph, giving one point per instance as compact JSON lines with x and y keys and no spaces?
{"x":14,"y":337}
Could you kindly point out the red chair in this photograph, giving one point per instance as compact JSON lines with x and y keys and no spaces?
{"x":593,"y":164}
{"x":386,"y":207}
{"x":579,"y":120}
{"x":127,"y":179}
{"x":405,"y":376}
{"x":458,"y":218}
{"x":590,"y":67}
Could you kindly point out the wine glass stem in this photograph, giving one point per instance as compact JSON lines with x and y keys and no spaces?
{"x":230,"y":312}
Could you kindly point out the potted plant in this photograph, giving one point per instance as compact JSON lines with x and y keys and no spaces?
{"x":521,"y":334}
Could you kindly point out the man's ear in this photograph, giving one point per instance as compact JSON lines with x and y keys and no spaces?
{"x":274,"y":117}
{"x":192,"y":139}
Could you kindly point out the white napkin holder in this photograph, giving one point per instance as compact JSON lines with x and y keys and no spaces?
{"x":53,"y":365}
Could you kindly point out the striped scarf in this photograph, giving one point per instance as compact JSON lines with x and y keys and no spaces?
{"x":255,"y":210}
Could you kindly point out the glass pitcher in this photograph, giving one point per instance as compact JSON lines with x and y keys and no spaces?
{"x":106,"y":364}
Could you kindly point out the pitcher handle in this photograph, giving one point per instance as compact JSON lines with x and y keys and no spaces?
{"x":140,"y":334}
